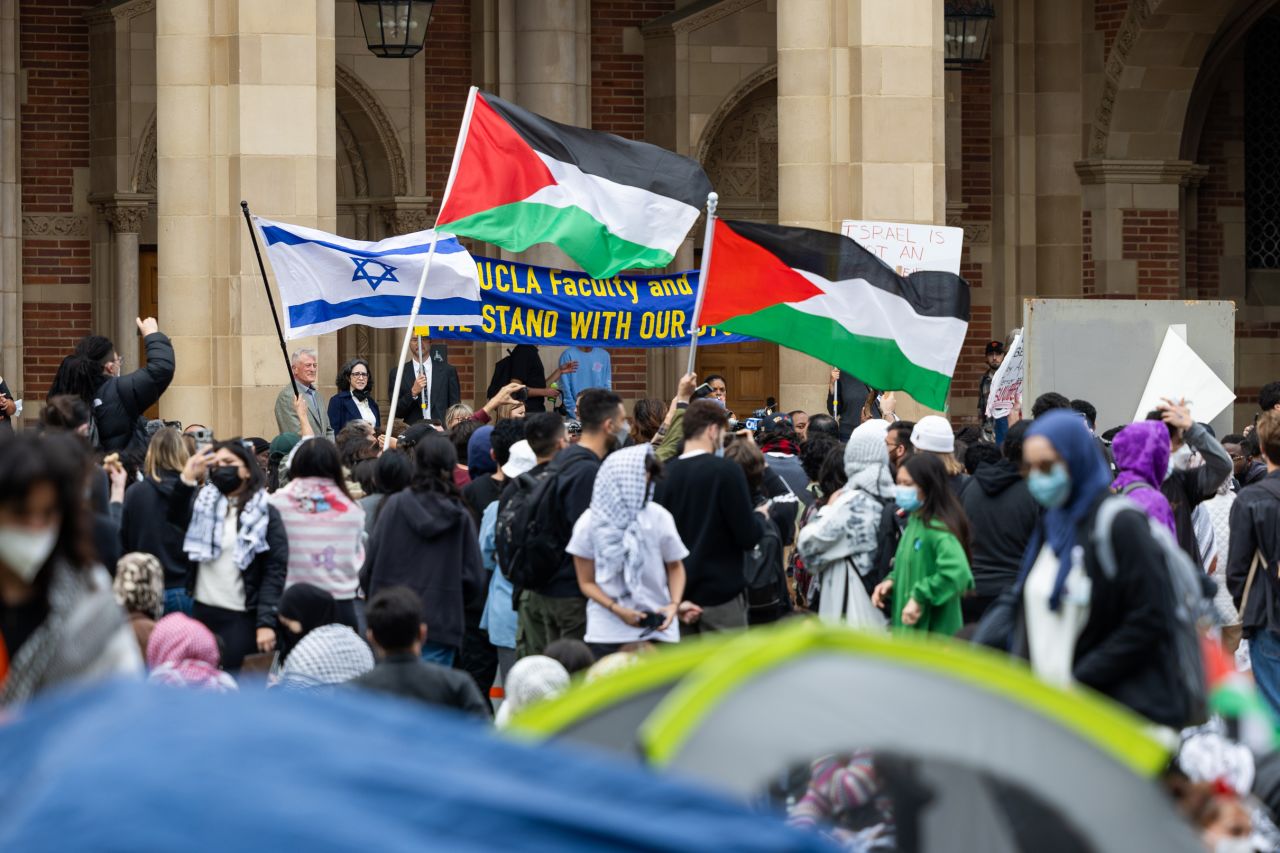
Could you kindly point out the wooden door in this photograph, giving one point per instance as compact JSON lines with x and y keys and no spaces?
{"x":148,"y":302}
{"x":750,"y":371}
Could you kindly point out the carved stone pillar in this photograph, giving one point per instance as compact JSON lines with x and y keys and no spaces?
{"x":126,"y":217}
{"x":406,"y":215}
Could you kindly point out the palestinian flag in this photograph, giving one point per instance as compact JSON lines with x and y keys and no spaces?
{"x":609,"y":203}
{"x":825,"y":295}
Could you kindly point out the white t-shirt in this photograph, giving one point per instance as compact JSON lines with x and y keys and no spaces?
{"x":220,"y":583}
{"x":659,"y":531}
{"x":1051,"y":637}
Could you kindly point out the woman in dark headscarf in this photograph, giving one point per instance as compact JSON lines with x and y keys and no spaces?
{"x":303,"y":608}
{"x":1078,"y":622}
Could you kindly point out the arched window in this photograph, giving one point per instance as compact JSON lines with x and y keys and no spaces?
{"x":1262,"y":145}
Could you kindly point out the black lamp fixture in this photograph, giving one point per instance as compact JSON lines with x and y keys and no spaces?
{"x":395,"y":29}
{"x":967,"y":37}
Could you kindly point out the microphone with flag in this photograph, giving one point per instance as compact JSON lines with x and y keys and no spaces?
{"x":329,"y":282}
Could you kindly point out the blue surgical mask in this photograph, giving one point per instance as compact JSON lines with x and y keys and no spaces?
{"x":907,"y":498}
{"x":1050,"y":490}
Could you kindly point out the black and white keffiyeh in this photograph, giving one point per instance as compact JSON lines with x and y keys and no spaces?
{"x":203,"y":542}
{"x":620,"y":493}
{"x":328,"y":655}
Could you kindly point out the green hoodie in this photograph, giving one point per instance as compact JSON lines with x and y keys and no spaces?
{"x":931,"y":567}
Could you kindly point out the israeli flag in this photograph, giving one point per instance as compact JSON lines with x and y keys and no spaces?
{"x":328,"y":282}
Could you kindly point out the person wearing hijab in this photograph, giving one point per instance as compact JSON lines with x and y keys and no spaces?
{"x":328,"y":656}
{"x":139,"y":588}
{"x":628,"y":555}
{"x":303,"y":608}
{"x":1141,"y":451}
{"x":1074,"y":622}
{"x":841,"y":542}
{"x":184,"y":653}
{"x":532,"y":679}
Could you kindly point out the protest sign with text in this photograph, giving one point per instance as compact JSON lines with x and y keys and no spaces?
{"x":909,"y":247}
{"x":537,"y":305}
{"x":1006,"y":385}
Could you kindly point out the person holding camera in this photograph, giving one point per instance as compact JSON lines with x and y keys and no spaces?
{"x":628,"y":555}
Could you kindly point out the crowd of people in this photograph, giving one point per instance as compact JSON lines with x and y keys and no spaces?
{"x":507,"y":549}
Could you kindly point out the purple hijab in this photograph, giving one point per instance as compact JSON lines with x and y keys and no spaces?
{"x":1141,"y":451}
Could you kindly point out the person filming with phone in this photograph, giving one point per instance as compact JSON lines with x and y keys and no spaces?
{"x":628,"y":556}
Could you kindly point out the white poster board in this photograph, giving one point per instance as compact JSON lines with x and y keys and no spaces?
{"x":1179,"y":373}
{"x":909,"y":247}
{"x":1006,"y":385}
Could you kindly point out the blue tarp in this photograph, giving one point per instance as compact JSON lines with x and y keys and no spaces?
{"x":134,"y":768}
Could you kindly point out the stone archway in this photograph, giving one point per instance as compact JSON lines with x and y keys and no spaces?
{"x":739,"y":151}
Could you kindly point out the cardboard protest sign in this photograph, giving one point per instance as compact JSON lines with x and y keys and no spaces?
{"x":909,"y":247}
{"x":1179,"y":373}
{"x":1006,"y":385}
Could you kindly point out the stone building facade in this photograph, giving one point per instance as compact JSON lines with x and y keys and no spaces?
{"x":1117,"y":149}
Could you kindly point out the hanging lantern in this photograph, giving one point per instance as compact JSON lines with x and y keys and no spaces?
{"x":395,"y":29}
{"x":967,"y":38}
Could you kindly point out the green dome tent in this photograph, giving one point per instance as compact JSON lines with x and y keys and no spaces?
{"x":975,"y":752}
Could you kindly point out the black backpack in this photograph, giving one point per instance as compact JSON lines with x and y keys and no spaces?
{"x":767,"y":594}
{"x":531,"y":531}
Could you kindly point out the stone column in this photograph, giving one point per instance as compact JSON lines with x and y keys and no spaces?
{"x":10,"y":203}
{"x":126,"y":219}
{"x":860,"y":130}
{"x":245,"y":110}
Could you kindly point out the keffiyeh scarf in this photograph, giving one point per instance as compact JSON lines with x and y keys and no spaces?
{"x":620,"y":493}
{"x":331,"y":654}
{"x":203,"y":542}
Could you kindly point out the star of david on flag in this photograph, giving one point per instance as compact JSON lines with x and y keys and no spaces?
{"x":375,"y":277}
{"x":329,"y":282}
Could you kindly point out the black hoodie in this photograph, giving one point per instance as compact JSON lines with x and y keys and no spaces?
{"x":1002,"y":515}
{"x":427,"y":542}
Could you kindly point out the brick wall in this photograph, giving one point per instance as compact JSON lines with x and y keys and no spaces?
{"x":448,"y":69}
{"x":1151,"y":238}
{"x":55,"y":141}
{"x":975,"y":193}
{"x":617,"y":106}
{"x":1108,"y":15}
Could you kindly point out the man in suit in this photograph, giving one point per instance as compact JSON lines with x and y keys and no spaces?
{"x":846,"y":395}
{"x":436,"y":383}
{"x":305,"y":364}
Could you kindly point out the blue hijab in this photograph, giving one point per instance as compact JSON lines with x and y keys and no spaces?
{"x":1090,"y":478}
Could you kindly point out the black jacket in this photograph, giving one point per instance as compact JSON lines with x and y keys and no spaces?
{"x":523,"y":363}
{"x":342,"y":411}
{"x":1126,"y":648}
{"x":1002,"y":515}
{"x":263,"y":579}
{"x":427,"y":542}
{"x":445,"y":392}
{"x":410,"y":677}
{"x":1187,"y":489}
{"x":120,"y":401}
{"x":6,"y":423}
{"x":847,"y":407}
{"x":711,"y":504}
{"x":1255,"y":526}
{"x":577,"y":479}
{"x":145,"y":526}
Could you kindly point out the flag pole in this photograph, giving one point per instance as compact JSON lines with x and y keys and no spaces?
{"x":408,"y":334}
{"x":423,"y":396}
{"x":284,"y":350}
{"x":712,"y":201}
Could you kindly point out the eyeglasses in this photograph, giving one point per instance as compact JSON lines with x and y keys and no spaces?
{"x":359,"y":375}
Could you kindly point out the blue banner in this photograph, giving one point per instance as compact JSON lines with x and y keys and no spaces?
{"x":525,"y":304}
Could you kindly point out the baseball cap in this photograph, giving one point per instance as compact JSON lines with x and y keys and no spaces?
{"x":995,"y":347}
{"x":933,"y":433}
{"x":521,"y":461}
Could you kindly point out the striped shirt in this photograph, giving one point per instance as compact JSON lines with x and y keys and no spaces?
{"x":326,"y":535}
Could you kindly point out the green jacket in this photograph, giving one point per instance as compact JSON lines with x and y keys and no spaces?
{"x":931,"y":567}
{"x":666,"y":450}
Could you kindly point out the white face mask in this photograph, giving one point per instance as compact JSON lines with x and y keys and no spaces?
{"x":1180,"y":459}
{"x":26,"y":551}
{"x":1234,"y":845}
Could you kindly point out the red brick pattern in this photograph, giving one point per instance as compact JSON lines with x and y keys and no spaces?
{"x":50,"y":330}
{"x":1151,"y":238}
{"x":55,"y":141}
{"x":617,"y":106}
{"x":1108,"y":15}
{"x":448,"y":70}
{"x":975,"y":193}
